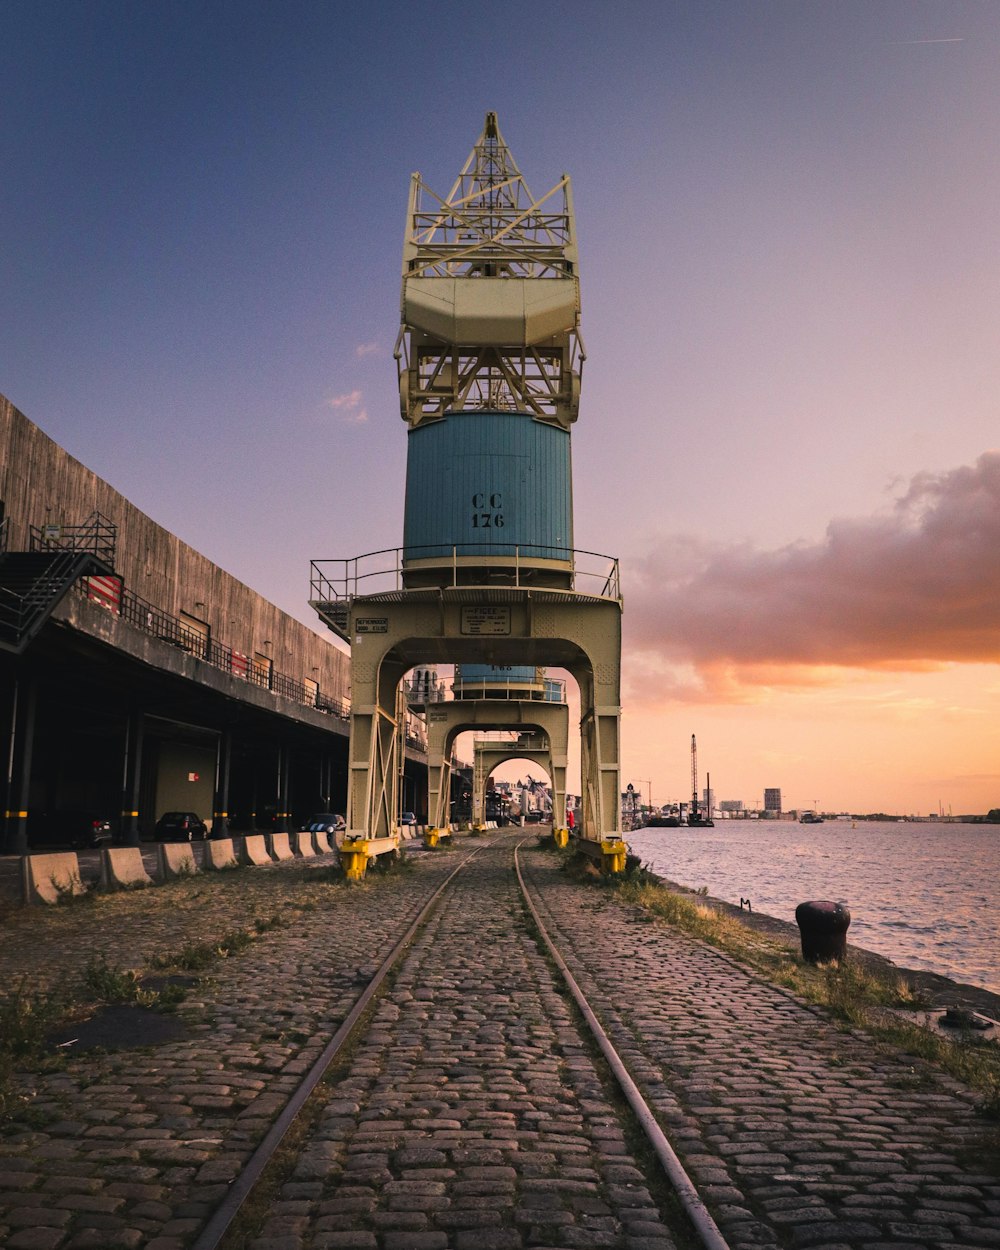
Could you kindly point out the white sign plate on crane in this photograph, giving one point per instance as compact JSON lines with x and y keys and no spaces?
{"x":479,"y":621}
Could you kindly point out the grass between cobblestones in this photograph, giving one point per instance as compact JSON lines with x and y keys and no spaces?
{"x":638,"y":1144}
{"x":853,"y":993}
{"x":250,"y":1219}
{"x":280,"y":1168}
{"x":37,"y":1003}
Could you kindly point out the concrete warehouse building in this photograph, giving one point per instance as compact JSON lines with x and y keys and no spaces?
{"x":137,"y":677}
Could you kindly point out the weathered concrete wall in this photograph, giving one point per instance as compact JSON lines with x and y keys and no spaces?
{"x":42,"y":484}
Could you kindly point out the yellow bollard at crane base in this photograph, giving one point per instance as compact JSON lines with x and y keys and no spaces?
{"x":613,"y":852}
{"x":560,"y":837}
{"x":431,"y":838}
{"x":354,"y":859}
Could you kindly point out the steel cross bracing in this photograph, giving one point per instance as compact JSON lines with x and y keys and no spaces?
{"x":479,"y":776}
{"x":490,"y":224}
{"x":491,"y":294}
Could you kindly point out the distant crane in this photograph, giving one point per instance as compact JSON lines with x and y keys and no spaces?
{"x":694,"y":781}
{"x":695,"y":817}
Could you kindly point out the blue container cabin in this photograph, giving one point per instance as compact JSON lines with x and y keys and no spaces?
{"x":498,"y":681}
{"x":507,"y":681}
{"x":489,"y":496}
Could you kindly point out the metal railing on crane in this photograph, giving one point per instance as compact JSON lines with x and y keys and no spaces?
{"x":383,"y":572}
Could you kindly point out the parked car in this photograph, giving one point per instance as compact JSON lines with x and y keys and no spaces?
{"x":407,"y":818}
{"x":74,"y":827}
{"x":534,"y":817}
{"x":325,"y":822}
{"x":180,"y":827}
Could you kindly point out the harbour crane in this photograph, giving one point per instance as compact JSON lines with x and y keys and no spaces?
{"x":695,"y":817}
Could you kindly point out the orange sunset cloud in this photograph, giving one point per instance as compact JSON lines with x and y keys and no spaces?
{"x":911,"y":589}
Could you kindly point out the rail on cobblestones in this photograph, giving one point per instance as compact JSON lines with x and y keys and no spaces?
{"x":708,"y":1231}
{"x":214,"y":1232}
{"x":470,"y":1110}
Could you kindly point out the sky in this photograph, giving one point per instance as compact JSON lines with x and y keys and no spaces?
{"x":790,"y":270}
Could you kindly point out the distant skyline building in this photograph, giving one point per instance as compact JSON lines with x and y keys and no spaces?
{"x":772,"y":799}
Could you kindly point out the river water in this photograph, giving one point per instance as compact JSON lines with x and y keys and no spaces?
{"x":923,"y":895}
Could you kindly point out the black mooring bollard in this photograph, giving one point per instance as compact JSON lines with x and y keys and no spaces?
{"x":823,"y":929}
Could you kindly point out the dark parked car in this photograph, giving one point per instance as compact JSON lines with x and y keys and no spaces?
{"x":407,"y":818}
{"x":325,"y":822}
{"x":180,"y":827}
{"x":75,"y":827}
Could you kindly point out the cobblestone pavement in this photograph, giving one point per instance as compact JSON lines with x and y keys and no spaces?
{"x":41,"y":945}
{"x":796,"y":1132}
{"x":473,"y":1117}
{"x":136,"y":1147}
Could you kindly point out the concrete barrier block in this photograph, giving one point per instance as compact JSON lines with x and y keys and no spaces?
{"x":122,"y":868}
{"x":48,"y":878}
{"x":321,"y":842}
{"x":277,"y":844}
{"x":254,"y":850}
{"x":219,"y":853}
{"x":302,"y":844}
{"x":175,"y":859}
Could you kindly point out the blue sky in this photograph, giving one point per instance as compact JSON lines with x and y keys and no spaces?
{"x":790,"y":258}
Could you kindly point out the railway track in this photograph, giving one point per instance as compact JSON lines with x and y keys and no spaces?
{"x":471,"y":1111}
{"x":468,"y":1109}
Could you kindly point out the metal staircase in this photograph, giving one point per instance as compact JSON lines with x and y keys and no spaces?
{"x":33,"y":582}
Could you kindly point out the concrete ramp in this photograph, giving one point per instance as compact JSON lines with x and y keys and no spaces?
{"x":277,"y":844}
{"x":175,"y":859}
{"x":254,"y":850}
{"x":48,"y":878}
{"x":321,"y":842}
{"x":218,"y":853}
{"x":302,"y":844}
{"x":122,"y":868}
